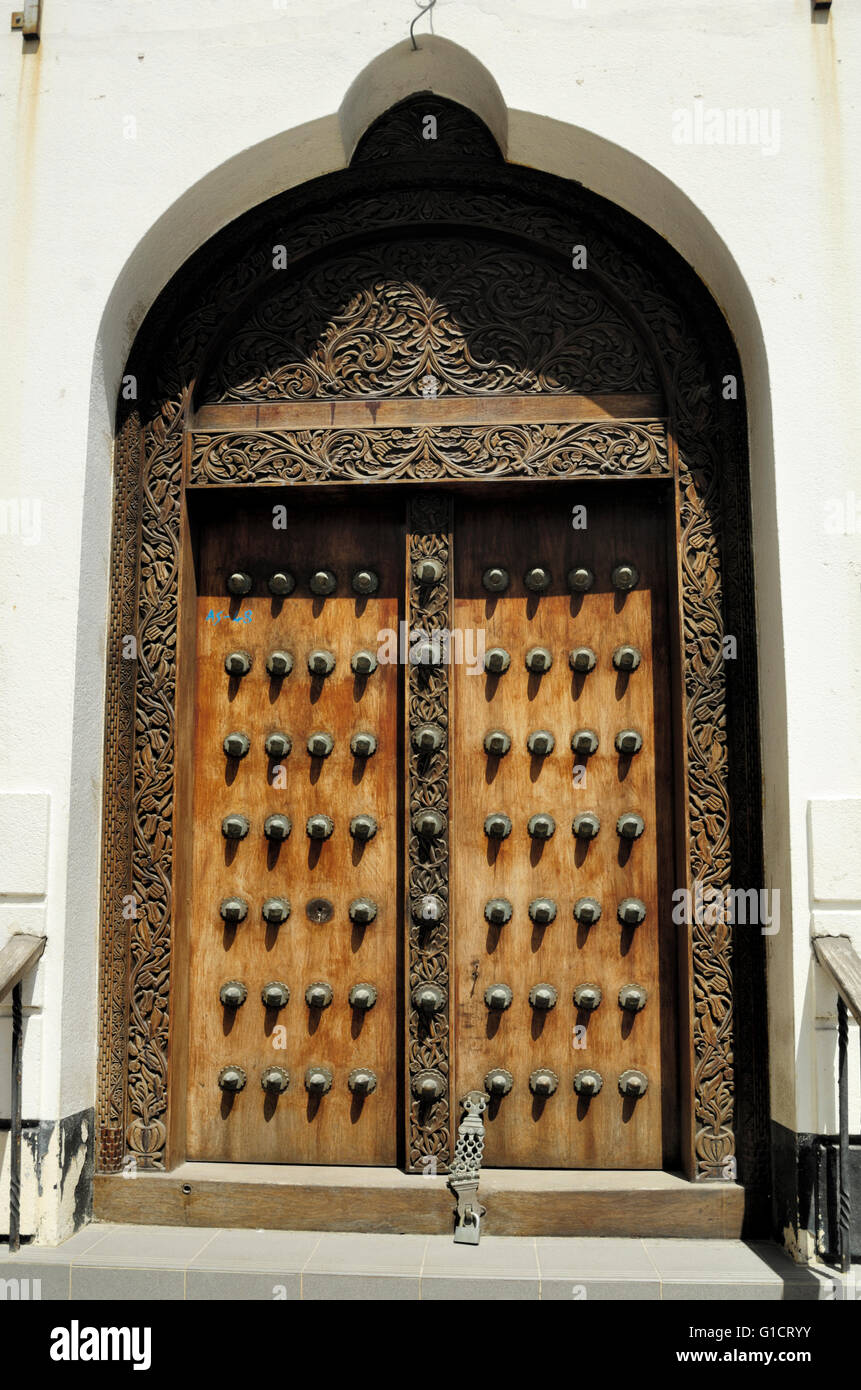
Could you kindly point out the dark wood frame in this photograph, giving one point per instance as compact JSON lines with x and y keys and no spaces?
{"x":164,"y":447}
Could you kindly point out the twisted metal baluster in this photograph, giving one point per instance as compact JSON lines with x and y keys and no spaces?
{"x":843,"y":1097}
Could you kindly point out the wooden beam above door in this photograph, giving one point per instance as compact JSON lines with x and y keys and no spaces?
{"x":418,"y":410}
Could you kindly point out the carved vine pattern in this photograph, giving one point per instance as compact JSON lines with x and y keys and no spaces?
{"x":474,"y":316}
{"x":428,"y":861}
{"x":478,"y":196}
{"x":422,"y":453}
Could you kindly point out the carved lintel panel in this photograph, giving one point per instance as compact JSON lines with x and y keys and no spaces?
{"x":470,"y":317}
{"x":398,"y":200}
{"x":429,"y":530}
{"x":587,"y":450}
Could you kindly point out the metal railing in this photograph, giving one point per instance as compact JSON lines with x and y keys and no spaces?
{"x":842,"y":964}
{"x":17,"y":958}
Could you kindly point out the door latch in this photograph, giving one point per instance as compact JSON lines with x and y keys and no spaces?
{"x":466,"y":1169}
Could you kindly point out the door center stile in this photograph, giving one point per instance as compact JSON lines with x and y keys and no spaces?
{"x":427,"y":832}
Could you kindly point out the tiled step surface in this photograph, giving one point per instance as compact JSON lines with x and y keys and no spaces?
{"x":182,"y":1262}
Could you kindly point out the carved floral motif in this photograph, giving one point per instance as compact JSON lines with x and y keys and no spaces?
{"x":421,"y":453}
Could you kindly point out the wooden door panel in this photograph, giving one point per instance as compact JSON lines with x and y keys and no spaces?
{"x":562,"y":1130}
{"x":252,"y":1125}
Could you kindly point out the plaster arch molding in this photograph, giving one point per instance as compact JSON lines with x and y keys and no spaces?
{"x":659,"y":332}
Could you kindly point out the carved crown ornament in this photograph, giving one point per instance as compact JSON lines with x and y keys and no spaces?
{"x":417,"y":265}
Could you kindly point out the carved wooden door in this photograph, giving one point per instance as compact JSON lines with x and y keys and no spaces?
{"x":294,"y":953}
{"x":561,"y":830}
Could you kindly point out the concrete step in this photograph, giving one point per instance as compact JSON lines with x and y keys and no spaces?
{"x":180,"y":1262}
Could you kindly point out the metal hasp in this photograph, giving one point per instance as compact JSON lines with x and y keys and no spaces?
{"x":466,"y":1169}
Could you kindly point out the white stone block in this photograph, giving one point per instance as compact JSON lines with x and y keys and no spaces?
{"x":835,"y":850}
{"x":24,"y":837}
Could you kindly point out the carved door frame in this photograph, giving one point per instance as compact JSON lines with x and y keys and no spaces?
{"x":684,"y":430}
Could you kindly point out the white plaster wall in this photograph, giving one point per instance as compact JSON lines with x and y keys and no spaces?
{"x":137,"y":129}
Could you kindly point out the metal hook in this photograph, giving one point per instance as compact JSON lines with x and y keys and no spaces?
{"x":425,"y":9}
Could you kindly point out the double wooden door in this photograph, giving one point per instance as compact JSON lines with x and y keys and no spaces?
{"x":560,"y":998}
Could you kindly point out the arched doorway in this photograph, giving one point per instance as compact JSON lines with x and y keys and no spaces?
{"x":433,"y":366}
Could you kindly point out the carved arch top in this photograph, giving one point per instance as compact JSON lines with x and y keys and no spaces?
{"x":458,"y":314}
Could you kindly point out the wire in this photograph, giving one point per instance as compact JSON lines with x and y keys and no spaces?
{"x":424,"y":10}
